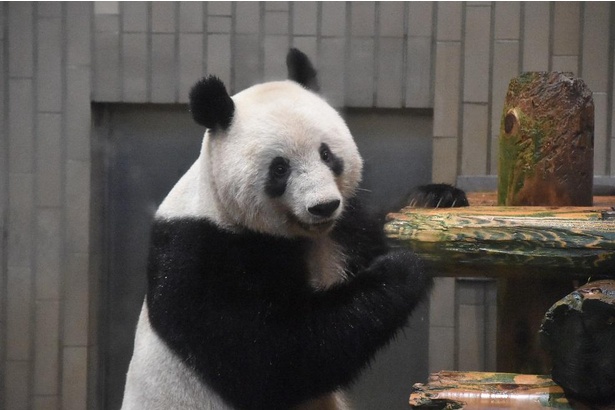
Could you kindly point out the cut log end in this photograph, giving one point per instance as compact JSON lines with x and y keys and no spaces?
{"x":579,"y":334}
{"x":546,"y":141}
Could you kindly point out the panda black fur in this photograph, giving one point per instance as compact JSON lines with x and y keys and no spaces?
{"x":268,"y":287}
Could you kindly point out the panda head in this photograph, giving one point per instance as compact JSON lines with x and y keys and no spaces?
{"x":280,"y":159}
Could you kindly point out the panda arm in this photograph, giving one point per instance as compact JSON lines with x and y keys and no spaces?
{"x":352,"y":321}
{"x":242,"y":316}
{"x":276,"y":354}
{"x":360,"y":235}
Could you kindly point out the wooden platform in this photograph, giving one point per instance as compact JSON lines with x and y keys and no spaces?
{"x":538,"y":255}
{"x":449,"y":390}
{"x":497,"y":240}
{"x":476,"y":390}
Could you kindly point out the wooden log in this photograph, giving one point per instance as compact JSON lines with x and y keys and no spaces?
{"x":534,"y":252}
{"x":499,"y":241}
{"x":478,"y":390}
{"x":546,"y":141}
{"x":578,"y":331}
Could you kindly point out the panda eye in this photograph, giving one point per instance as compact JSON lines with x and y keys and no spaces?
{"x":325,"y":154}
{"x":279,"y":167}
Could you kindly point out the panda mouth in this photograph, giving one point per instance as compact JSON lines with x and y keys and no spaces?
{"x":313,"y":227}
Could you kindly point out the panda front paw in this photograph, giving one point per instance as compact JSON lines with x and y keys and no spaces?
{"x":437,"y":196}
{"x":404,"y":268}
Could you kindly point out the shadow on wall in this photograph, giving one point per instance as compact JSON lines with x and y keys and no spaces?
{"x":396,"y":147}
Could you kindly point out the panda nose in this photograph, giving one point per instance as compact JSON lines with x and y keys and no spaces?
{"x":324,"y":209}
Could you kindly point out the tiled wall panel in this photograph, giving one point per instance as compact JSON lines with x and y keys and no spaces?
{"x":49,"y":159}
{"x":248,"y":17}
{"x":595,"y":51}
{"x":77,"y":113}
{"x":595,"y":73}
{"x":19,"y":310}
{"x":445,"y":147}
{"x":46,"y":94}
{"x":74,"y":378}
{"x":21,"y":124}
{"x":390,"y":82}
{"x":163,"y":16}
{"x":16,"y":388}
{"x":507,"y":20}
{"x":391,"y":18}
{"x":462,"y":320}
{"x":107,"y":80}
{"x":418,"y":74}
{"x":163,"y":68}
{"x":449,"y":21}
{"x":363,"y":19}
{"x":476,"y":54}
{"x":536,"y":36}
{"x":475,"y":134}
{"x":49,"y":38}
{"x":247,"y":69}
{"x":305,"y":18}
{"x":447,"y":89}
{"x":190,"y":62}
{"x":332,"y":71}
{"x":276,"y":48}
{"x":475,"y":321}
{"x":135,"y":16}
{"x":191,"y":17}
{"x":601,"y":140}
{"x":48,"y":260}
{"x":46,"y":347}
{"x":442,"y":325}
{"x":360,"y":81}
{"x":333,"y":18}
{"x":21,"y":39}
{"x":566,"y":28}
{"x":134,"y":67}
{"x":137,"y":59}
{"x":565,"y":64}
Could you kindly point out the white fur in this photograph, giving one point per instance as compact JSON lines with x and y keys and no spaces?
{"x":158,"y":380}
{"x":227,"y":185}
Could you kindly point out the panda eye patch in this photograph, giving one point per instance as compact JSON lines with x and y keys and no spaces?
{"x":279,"y":171}
{"x":335,"y":163}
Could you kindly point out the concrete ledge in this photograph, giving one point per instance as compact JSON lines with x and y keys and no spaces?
{"x":603,"y":184}
{"x":477,"y":183}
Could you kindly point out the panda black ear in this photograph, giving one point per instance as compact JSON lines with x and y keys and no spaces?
{"x":210,"y":104}
{"x":301,"y":70}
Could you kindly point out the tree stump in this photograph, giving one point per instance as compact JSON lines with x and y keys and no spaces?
{"x":579,"y":333}
{"x":546,"y":141}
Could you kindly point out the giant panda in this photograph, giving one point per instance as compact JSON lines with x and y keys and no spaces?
{"x":268,"y":286}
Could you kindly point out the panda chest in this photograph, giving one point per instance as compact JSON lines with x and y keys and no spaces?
{"x":326,"y":263}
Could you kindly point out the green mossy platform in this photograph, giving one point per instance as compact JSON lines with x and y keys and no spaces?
{"x":493,"y":240}
{"x":481,"y":390}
